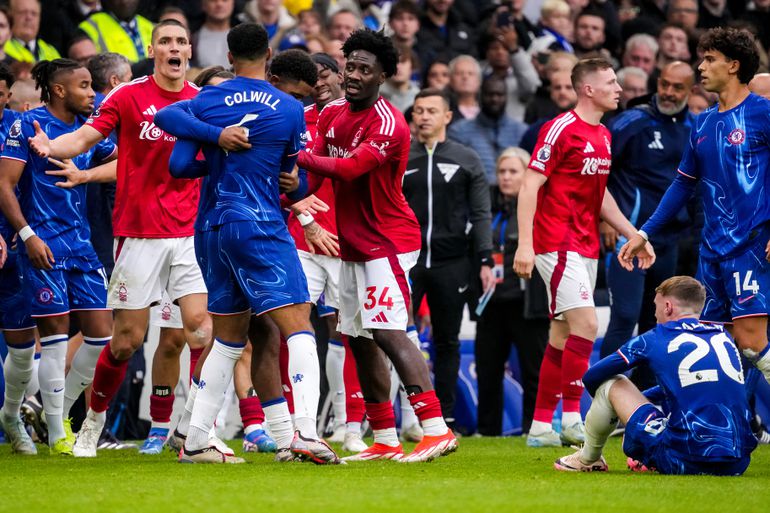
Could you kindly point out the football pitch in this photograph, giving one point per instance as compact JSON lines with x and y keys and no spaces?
{"x":485,"y":475}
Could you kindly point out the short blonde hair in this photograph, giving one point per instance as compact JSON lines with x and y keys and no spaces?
{"x":686,"y":290}
{"x":551,"y":7}
{"x":513,"y":152}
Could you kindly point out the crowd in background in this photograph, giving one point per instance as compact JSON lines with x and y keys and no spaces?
{"x":505,"y":66}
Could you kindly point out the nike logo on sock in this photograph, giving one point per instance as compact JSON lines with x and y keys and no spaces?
{"x":57,"y":390}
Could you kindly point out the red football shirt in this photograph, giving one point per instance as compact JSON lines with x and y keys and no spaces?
{"x":575,"y":157}
{"x":149,"y":202}
{"x":373,"y":218}
{"x":325,"y":193}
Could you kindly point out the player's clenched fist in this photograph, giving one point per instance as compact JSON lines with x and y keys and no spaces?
{"x":524,"y":261}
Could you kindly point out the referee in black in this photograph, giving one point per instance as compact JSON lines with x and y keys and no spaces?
{"x":446,"y":186}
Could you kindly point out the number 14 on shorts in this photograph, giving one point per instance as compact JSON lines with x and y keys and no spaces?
{"x":384,"y":298}
{"x":748,"y":285}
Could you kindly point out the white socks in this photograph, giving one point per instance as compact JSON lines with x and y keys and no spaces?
{"x":81,"y":372}
{"x":18,"y":373}
{"x":52,"y":362}
{"x":184,"y":422}
{"x":387,"y":437}
{"x":305,"y":376}
{"x":601,"y":421}
{"x":216,"y":374}
{"x":278,"y":420}
{"x":569,"y":418}
{"x":335,"y":363}
{"x":34,"y":382}
{"x":762,"y":362}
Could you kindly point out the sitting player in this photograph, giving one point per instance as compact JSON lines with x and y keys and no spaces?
{"x":700,"y":379}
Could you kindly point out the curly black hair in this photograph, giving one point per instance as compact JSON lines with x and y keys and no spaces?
{"x":735,"y":44}
{"x":295,"y":65}
{"x":376,"y":43}
{"x":45,"y":72}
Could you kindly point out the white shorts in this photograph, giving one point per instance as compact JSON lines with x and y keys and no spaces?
{"x":569,"y":278}
{"x":144,"y":268}
{"x":323,"y":277}
{"x":166,"y":314}
{"x":375,"y":294}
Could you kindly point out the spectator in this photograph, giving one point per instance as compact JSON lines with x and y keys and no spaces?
{"x":526,"y":31}
{"x":492,"y":130}
{"x":634,"y":83}
{"x":108,"y":70}
{"x":5,"y":32}
{"x":310,"y":23}
{"x":272,"y":15}
{"x":555,"y":28}
{"x":542,"y":106}
{"x":447,"y":191}
{"x":647,"y":142}
{"x":25,"y":45}
{"x":399,"y":88}
{"x":465,"y":83}
{"x":563,"y":97}
{"x":374,"y":13}
{"x":404,"y":21}
{"x":759,"y":15}
{"x":81,"y":49}
{"x":443,"y":33}
{"x":589,"y":33}
{"x":504,"y":58}
{"x":316,"y":44}
{"x":343,"y":23}
{"x":673,"y":46}
{"x":515,"y":314}
{"x":437,"y":75}
{"x":683,"y":13}
{"x":210,"y":41}
{"x":120,"y":29}
{"x":78,"y":10}
{"x":171,"y":12}
{"x":334,"y":48}
{"x":697,"y":103}
{"x":57,"y":26}
{"x":641,"y":52}
{"x":713,"y":13}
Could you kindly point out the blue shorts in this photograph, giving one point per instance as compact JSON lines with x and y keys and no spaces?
{"x":14,"y":303}
{"x":250,"y":266}
{"x":645,"y":441}
{"x":75,"y":283}
{"x":736,"y":287}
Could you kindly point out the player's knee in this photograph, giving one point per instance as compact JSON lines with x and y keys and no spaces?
{"x":126,"y":340}
{"x":753,"y":338}
{"x":199,"y":327}
{"x":585,"y":326}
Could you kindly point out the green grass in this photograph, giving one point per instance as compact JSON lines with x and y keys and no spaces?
{"x":489,"y":475}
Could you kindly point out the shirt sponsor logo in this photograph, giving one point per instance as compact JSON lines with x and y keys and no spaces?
{"x":596,"y":166}
{"x":544,"y":153}
{"x":150,"y":132}
{"x":736,"y":137}
{"x":336,"y":152}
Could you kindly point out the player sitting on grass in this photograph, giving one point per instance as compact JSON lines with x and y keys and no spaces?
{"x":700,"y":381}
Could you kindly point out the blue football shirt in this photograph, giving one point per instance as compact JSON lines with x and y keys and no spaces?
{"x":9,"y":117}
{"x":57,"y":215}
{"x":699,"y":371}
{"x":730,"y":153}
{"x":243,"y":185}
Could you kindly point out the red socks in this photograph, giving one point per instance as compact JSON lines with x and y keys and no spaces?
{"x":161,"y":407}
{"x":251,"y":411}
{"x":108,"y":376}
{"x":549,"y":385}
{"x":381,"y":415}
{"x":195,"y":355}
{"x":426,"y":405}
{"x":577,"y":353}
{"x":354,"y":398}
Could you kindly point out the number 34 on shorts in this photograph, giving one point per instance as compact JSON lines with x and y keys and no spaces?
{"x":385,"y":300}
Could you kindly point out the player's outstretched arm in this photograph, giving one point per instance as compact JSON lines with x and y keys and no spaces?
{"x":611,"y":214}
{"x":183,"y":162}
{"x":524,"y":259}
{"x":73,"y":176}
{"x":65,"y":146}
{"x":358,"y":163}
{"x":178,"y":120}
{"x":38,"y":251}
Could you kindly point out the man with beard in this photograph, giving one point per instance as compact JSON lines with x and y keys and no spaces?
{"x":647,"y":142}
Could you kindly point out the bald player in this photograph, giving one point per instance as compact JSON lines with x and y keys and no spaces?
{"x":760,"y":85}
{"x":24,"y":96}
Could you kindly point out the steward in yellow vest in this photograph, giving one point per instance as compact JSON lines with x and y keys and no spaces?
{"x":17,"y":50}
{"x":129,"y":39}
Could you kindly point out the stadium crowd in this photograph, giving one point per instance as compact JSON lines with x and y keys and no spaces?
{"x":488,"y":91}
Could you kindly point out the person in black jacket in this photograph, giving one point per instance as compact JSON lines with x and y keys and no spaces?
{"x":446,"y":187}
{"x":517,"y":311}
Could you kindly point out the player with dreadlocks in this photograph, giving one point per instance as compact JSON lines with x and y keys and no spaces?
{"x":62,"y":273}
{"x":362,"y":143}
